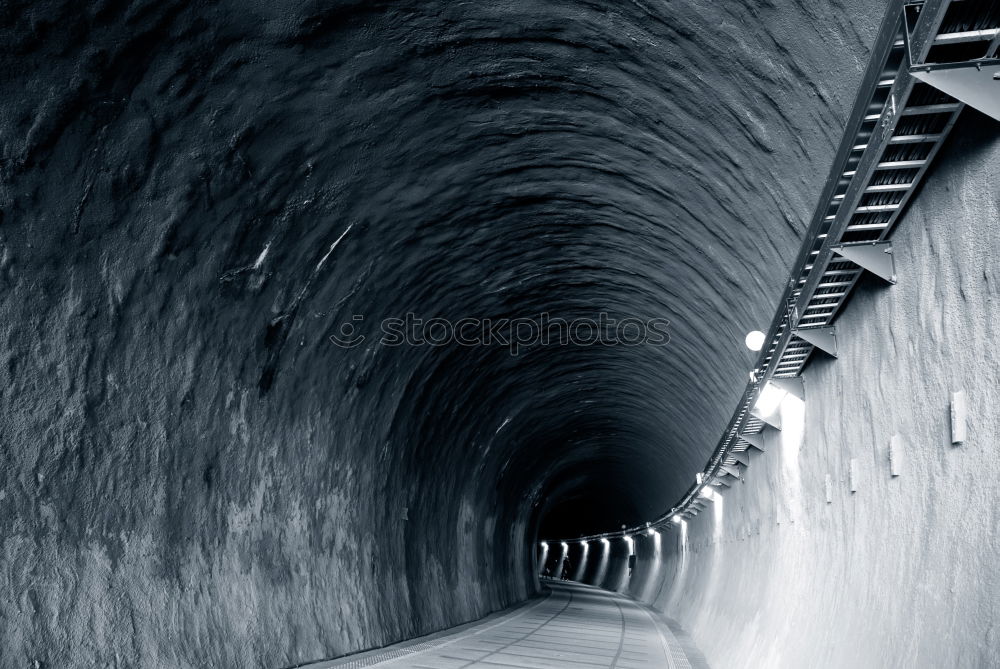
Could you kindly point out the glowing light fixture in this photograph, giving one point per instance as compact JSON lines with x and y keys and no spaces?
{"x":755,"y":340}
{"x":769,"y":400}
{"x":545,"y":544}
{"x":565,"y":546}
{"x":707,"y":493}
{"x":651,"y":532}
{"x":676,"y":519}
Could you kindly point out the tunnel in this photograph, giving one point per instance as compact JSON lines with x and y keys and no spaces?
{"x":333,"y":325}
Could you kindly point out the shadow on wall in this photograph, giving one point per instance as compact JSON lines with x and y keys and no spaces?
{"x":864,"y":536}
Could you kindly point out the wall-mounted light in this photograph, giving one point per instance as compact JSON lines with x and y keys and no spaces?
{"x":707,"y":493}
{"x":958,"y":415}
{"x":676,"y":519}
{"x":755,"y":340}
{"x":896,"y":447}
{"x":651,"y":532}
{"x":544,"y":544}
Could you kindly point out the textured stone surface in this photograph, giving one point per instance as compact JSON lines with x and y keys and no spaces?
{"x":195,"y":196}
{"x":900,"y":573}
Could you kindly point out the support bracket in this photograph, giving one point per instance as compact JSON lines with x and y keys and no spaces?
{"x":791,"y":385}
{"x":774,"y":420}
{"x":755,"y":440}
{"x":824,"y":338}
{"x":876,"y":257}
{"x":732,"y":471}
{"x":975,"y":82}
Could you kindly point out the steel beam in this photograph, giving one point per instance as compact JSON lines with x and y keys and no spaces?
{"x":922,"y":31}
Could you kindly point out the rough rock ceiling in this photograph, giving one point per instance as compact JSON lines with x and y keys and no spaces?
{"x":178,"y":177}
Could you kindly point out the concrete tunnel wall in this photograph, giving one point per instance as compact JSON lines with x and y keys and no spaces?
{"x":900,"y":573}
{"x":615,"y":578}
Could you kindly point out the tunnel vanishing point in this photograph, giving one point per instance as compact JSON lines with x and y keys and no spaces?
{"x":329,"y":325}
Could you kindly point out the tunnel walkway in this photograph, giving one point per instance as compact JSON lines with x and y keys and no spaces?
{"x":572,"y":625}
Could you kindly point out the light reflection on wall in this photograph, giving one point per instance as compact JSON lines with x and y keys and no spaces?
{"x":626,"y":573}
{"x":715,"y":498}
{"x":793,"y":415}
{"x":655,"y":567}
{"x":581,"y":568}
{"x":717,"y":515}
{"x":677,"y":583}
{"x":543,"y":558}
{"x":602,"y":567}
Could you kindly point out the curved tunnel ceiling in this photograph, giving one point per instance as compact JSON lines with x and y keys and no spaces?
{"x":279,"y":168}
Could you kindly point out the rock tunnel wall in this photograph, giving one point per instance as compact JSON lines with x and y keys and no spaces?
{"x":901,"y":572}
{"x":196,"y":196}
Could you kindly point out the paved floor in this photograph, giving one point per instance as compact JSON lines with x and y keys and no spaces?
{"x":574,"y":626}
